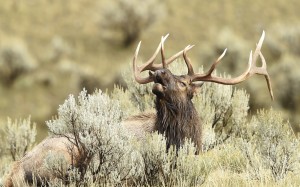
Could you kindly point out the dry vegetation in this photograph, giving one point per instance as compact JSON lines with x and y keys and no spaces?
{"x":50,"y":49}
{"x":239,"y":149}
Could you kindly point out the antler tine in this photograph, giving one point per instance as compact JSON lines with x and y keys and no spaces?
{"x":174,"y":57}
{"x":148,"y":65}
{"x":257,"y":50}
{"x":263,"y":69}
{"x":188,"y":61}
{"x":251,"y":70}
{"x":213,"y":66}
{"x":206,"y":76}
{"x":163,"y":60}
{"x":137,"y":70}
{"x":268,"y":79}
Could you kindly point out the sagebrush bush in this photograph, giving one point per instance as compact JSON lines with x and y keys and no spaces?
{"x":92,"y":124}
{"x":140,"y":94}
{"x":19,"y":137}
{"x":223,"y":111}
{"x":171,"y":168}
{"x":228,"y":157}
{"x":272,"y":146}
{"x":127,"y":106}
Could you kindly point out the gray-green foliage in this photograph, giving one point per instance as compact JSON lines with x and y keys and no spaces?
{"x":19,"y":136}
{"x":16,"y":137}
{"x":190,"y":170}
{"x":140,"y":94}
{"x":223,"y":110}
{"x":162,"y":168}
{"x":127,"y":106}
{"x":156,"y":162}
{"x":92,"y":124}
{"x":272,"y":146}
{"x":57,"y":165}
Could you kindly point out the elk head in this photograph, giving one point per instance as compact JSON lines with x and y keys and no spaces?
{"x":166,"y":86}
{"x":176,"y":115}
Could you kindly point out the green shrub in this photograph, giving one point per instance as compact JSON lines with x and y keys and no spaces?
{"x":18,"y":137}
{"x":140,"y":94}
{"x":223,"y":111}
{"x":272,"y":146}
{"x":92,"y":124}
{"x":162,"y":168}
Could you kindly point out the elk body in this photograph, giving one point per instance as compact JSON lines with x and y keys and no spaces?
{"x":30,"y":167}
{"x":176,"y":116}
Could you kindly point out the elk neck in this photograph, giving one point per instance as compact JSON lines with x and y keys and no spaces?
{"x":178,"y":120}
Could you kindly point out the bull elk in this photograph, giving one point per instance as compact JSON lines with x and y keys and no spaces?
{"x":176,"y":116}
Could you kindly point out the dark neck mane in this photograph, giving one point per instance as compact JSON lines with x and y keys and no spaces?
{"x":178,"y":121}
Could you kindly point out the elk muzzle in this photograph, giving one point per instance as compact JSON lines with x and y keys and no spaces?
{"x":161,"y":79}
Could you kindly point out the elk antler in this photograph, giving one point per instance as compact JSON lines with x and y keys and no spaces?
{"x":251,"y":70}
{"x":149,"y":65}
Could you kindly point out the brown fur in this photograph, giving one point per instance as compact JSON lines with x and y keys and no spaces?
{"x":178,"y":122}
{"x":140,"y":125}
{"x":177,"y":117}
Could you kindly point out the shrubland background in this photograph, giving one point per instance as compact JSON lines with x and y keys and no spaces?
{"x":50,"y":49}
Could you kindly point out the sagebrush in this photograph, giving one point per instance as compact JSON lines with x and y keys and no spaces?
{"x":239,"y":149}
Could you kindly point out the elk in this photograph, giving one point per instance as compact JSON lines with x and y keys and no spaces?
{"x":176,"y":117}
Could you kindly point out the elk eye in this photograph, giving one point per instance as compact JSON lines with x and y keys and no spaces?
{"x":182,"y":84}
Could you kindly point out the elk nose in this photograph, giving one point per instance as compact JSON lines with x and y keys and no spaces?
{"x":161,"y":72}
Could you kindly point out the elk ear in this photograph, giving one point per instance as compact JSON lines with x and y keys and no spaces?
{"x":197,"y":86}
